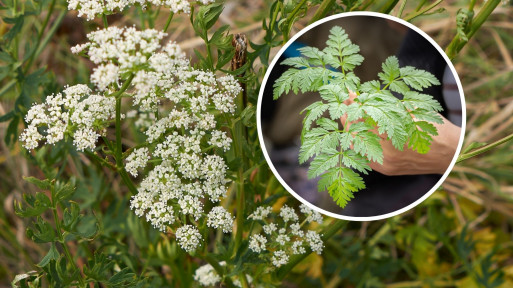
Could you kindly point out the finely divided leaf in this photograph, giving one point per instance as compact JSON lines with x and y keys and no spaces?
{"x":418,"y":79}
{"x":304,"y":80}
{"x":367,"y":143}
{"x":314,"y":111}
{"x":327,"y":124}
{"x":390,"y":70}
{"x":323,"y":162}
{"x":355,"y":161}
{"x":413,"y":100}
{"x":420,"y":141}
{"x":430,"y":116}
{"x":333,"y":93}
{"x":371,"y":86}
{"x":297,"y":62}
{"x":341,"y":183}
{"x":314,"y":141}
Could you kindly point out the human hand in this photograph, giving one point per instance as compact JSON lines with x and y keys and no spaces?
{"x":410,"y":162}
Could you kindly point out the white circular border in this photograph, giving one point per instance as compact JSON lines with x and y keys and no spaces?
{"x":259,"y":108}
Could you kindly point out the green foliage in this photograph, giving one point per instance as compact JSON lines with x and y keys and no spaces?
{"x":336,"y":151}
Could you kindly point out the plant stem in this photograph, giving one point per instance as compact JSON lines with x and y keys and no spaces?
{"x":239,"y":136}
{"x":409,"y":17}
{"x":326,"y":233}
{"x":387,"y":8}
{"x":457,"y":44}
{"x":105,"y":22}
{"x":290,"y":18}
{"x":401,"y":9}
{"x":484,"y":149}
{"x":118,"y":150}
{"x":322,"y":11}
{"x":171,"y":14}
{"x":40,"y":35}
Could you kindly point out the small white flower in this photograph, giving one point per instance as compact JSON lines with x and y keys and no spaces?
{"x":191,"y":206}
{"x":206,"y":275}
{"x":137,"y":160}
{"x":297,"y":247}
{"x":270,"y":228}
{"x":260,"y":213}
{"x":257,"y":243}
{"x":188,"y":237}
{"x":219,"y":218}
{"x":315,"y":241}
{"x":280,"y":258}
{"x":288,"y":214}
{"x":312,"y":216}
{"x":104,"y":75}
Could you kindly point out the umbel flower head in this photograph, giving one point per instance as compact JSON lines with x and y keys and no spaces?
{"x":285,"y":236}
{"x":76,"y":113}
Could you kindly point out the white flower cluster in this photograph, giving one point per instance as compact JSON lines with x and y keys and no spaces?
{"x":75,"y":113}
{"x":206,"y":275}
{"x":181,"y":142}
{"x":286,"y":236}
{"x":93,"y":8}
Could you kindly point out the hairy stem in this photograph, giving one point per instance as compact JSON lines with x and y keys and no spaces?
{"x":457,"y":44}
{"x":484,"y":149}
{"x":327,"y":233}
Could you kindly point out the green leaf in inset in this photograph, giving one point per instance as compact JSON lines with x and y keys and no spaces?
{"x":323,"y":162}
{"x":313,"y":112}
{"x":327,"y":124}
{"x":367,"y":143}
{"x":420,"y":141}
{"x":418,"y":79}
{"x":390,"y":70}
{"x":430,"y":116}
{"x":333,"y":93}
{"x":353,"y":160}
{"x":413,"y":100}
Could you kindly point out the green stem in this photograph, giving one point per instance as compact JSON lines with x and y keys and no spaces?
{"x":401,"y":9}
{"x":119,"y":147}
{"x":327,"y":233}
{"x":40,"y":34}
{"x":416,"y":14}
{"x":171,"y":14}
{"x":484,"y":149}
{"x":290,"y":18}
{"x":105,"y":22}
{"x":239,"y":136}
{"x":322,"y":11}
{"x":457,"y":44}
{"x":387,"y":8}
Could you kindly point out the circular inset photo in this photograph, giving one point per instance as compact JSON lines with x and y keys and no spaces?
{"x":361,"y":116}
